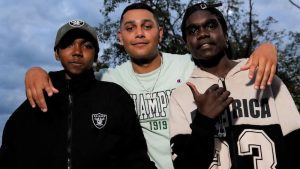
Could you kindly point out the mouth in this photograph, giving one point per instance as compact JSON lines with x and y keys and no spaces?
{"x":139,"y":44}
{"x":204,"y":45}
{"x":75,"y":63}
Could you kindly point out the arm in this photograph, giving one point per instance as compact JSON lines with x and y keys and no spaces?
{"x":263,"y":61}
{"x":11,"y":137}
{"x":6,"y":150}
{"x":289,"y":119}
{"x":133,"y":147}
{"x":195,"y":150}
{"x":36,"y":81}
{"x":193,"y":144}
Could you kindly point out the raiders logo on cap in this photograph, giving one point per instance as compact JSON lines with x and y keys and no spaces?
{"x":76,"y":23}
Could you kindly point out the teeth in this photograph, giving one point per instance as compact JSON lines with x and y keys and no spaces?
{"x":206,"y":44}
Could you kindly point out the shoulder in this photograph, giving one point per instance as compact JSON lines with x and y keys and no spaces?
{"x":110,"y":91}
{"x":181,"y":91}
{"x":109,"y":86}
{"x":117,"y":74}
{"x":170,"y":57}
{"x":177,"y":65}
{"x":22,"y":114}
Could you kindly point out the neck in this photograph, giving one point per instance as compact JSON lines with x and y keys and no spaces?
{"x":219,"y":66}
{"x":146,"y":67}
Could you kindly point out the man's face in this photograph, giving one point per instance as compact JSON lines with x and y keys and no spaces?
{"x":140,"y":34}
{"x":77,"y":56}
{"x":205,"y":37}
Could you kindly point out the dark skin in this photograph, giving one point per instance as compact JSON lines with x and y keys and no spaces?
{"x":207,"y":43}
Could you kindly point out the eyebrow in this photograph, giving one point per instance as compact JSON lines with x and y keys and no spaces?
{"x":204,"y":23}
{"x":133,"y":21}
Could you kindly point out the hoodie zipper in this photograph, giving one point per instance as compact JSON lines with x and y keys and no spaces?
{"x":232,"y":147}
{"x":69,"y":131}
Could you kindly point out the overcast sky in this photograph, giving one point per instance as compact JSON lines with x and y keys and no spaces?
{"x":28,"y":29}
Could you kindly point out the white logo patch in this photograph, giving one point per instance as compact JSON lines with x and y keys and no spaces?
{"x":76,"y":23}
{"x":99,"y":120}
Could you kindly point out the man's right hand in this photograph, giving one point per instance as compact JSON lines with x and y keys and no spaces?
{"x":36,"y":81}
{"x":213,"y":102}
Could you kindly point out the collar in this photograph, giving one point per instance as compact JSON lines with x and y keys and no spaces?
{"x":75,"y":85}
{"x":199,"y":73}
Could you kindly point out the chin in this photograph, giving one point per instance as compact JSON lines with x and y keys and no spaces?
{"x":203,"y":57}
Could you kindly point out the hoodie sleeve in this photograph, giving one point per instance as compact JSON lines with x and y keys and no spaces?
{"x":8,"y":151}
{"x":192,"y":144}
{"x":134,"y":147}
{"x":289,"y":119}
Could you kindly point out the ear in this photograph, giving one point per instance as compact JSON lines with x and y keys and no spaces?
{"x":188,"y":47}
{"x":56,"y":55}
{"x":226,"y":37}
{"x":120,"y":38}
{"x":161,"y":33}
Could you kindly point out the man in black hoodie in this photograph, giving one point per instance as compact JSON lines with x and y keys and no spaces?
{"x":90,"y":124}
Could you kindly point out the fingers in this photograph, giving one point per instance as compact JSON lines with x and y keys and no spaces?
{"x":30,"y":98}
{"x":40,"y":100}
{"x":193,"y":89}
{"x":265,"y":59}
{"x":36,"y":80}
{"x":50,"y":89}
{"x":260,"y":75}
{"x":247,"y":65}
{"x":253,"y":64}
{"x":272,"y":74}
{"x":219,"y":91}
{"x":265,"y":77}
{"x":212,"y":88}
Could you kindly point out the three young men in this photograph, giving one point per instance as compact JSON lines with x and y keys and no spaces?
{"x":149,"y":77}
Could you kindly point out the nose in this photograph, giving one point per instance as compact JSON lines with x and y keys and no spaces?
{"x":140,"y":32}
{"x":202,"y":33}
{"x":77,"y":50}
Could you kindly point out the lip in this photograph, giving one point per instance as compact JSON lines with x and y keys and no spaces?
{"x":75,"y":63}
{"x":205,"y":44}
{"x":140,"y":44}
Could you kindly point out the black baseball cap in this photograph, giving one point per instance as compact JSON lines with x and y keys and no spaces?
{"x":76,"y":25}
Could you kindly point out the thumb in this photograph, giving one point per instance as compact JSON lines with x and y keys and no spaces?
{"x":52,"y":87}
{"x":193,"y":89}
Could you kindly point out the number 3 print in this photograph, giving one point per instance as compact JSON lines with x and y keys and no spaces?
{"x":248,"y":140}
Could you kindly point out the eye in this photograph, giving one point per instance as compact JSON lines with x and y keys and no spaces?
{"x":71,"y":45}
{"x":88,"y":45}
{"x":129,"y":28}
{"x":148,"y":27}
{"x":192,"y":30}
{"x":212,"y":25}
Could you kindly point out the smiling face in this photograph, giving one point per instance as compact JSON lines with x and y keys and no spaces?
{"x":205,"y":38}
{"x":76,"y":56}
{"x":140,"y":34}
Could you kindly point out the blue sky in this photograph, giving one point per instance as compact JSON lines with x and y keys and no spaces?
{"x":28,"y":29}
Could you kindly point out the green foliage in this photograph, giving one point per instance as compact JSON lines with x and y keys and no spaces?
{"x":245,"y":33}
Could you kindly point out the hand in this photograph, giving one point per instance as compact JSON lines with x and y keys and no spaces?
{"x":37,"y":80}
{"x":264,"y":59}
{"x":213,"y":102}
